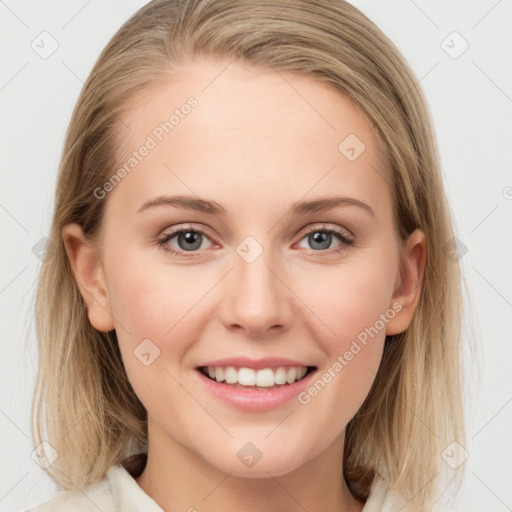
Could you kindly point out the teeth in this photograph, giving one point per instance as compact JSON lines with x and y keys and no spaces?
{"x":230,"y":374}
{"x":280,"y":376}
{"x":219,"y":374}
{"x":265,"y":377}
{"x":291,"y":375}
{"x":245,"y":376}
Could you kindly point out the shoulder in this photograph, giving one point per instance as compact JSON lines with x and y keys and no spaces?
{"x":117,"y":491}
{"x":94,"y":497}
{"x":381,"y":499}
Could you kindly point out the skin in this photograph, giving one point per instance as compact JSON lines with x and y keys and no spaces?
{"x":255,"y":145}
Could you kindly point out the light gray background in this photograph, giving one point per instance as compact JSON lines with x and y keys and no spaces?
{"x":471,"y":101}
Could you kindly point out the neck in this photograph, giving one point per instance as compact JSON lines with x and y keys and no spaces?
{"x":178,"y":479}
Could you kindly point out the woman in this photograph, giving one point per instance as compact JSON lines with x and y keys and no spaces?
{"x":252,"y":368}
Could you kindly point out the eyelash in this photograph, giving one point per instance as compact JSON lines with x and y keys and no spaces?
{"x":346,"y":242}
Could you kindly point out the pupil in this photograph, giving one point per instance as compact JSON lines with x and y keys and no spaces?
{"x":190,"y":237}
{"x":324,"y":239}
{"x":194,"y":239}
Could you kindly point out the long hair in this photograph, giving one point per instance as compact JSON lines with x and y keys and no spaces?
{"x":84,"y":405}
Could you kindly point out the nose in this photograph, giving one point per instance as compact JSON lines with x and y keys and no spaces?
{"x":256,"y":298}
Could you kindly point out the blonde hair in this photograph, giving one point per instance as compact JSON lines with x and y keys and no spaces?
{"x":414,"y":409}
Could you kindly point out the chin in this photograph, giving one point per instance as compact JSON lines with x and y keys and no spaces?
{"x":263,"y":468}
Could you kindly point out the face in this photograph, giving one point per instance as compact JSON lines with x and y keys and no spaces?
{"x":248,"y":269}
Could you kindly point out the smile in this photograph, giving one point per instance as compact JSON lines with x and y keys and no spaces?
{"x":255,"y":390}
{"x":267,"y":378}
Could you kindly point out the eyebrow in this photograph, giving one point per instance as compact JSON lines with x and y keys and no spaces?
{"x":214,"y":208}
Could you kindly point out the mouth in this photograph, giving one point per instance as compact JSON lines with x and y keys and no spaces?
{"x":256,"y":379}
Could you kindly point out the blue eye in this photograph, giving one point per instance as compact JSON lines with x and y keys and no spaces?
{"x":190,"y":241}
{"x":322,"y":237}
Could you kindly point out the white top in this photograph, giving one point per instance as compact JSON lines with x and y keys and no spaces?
{"x":119,"y":492}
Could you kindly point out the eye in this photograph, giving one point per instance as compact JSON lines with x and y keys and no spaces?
{"x":188,"y":240}
{"x":321,"y":237}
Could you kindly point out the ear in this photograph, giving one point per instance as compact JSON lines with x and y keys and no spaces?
{"x":89,"y":275}
{"x":408,"y":284}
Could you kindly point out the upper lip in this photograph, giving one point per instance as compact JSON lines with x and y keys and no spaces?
{"x":247,"y":362}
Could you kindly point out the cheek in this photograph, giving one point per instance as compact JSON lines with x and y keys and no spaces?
{"x":351,"y":301}
{"x":153,"y":328}
{"x":352,"y":310}
{"x":354,"y":305}
{"x":158,"y":311}
{"x":150,"y":305}
{"x":149,"y":298}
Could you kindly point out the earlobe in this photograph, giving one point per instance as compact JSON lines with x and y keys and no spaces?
{"x":88,"y":272}
{"x":408,"y":283}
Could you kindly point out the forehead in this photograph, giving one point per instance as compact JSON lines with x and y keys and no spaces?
{"x":240,"y":134}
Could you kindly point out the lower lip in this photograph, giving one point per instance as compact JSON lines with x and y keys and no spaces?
{"x":255,"y":400}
